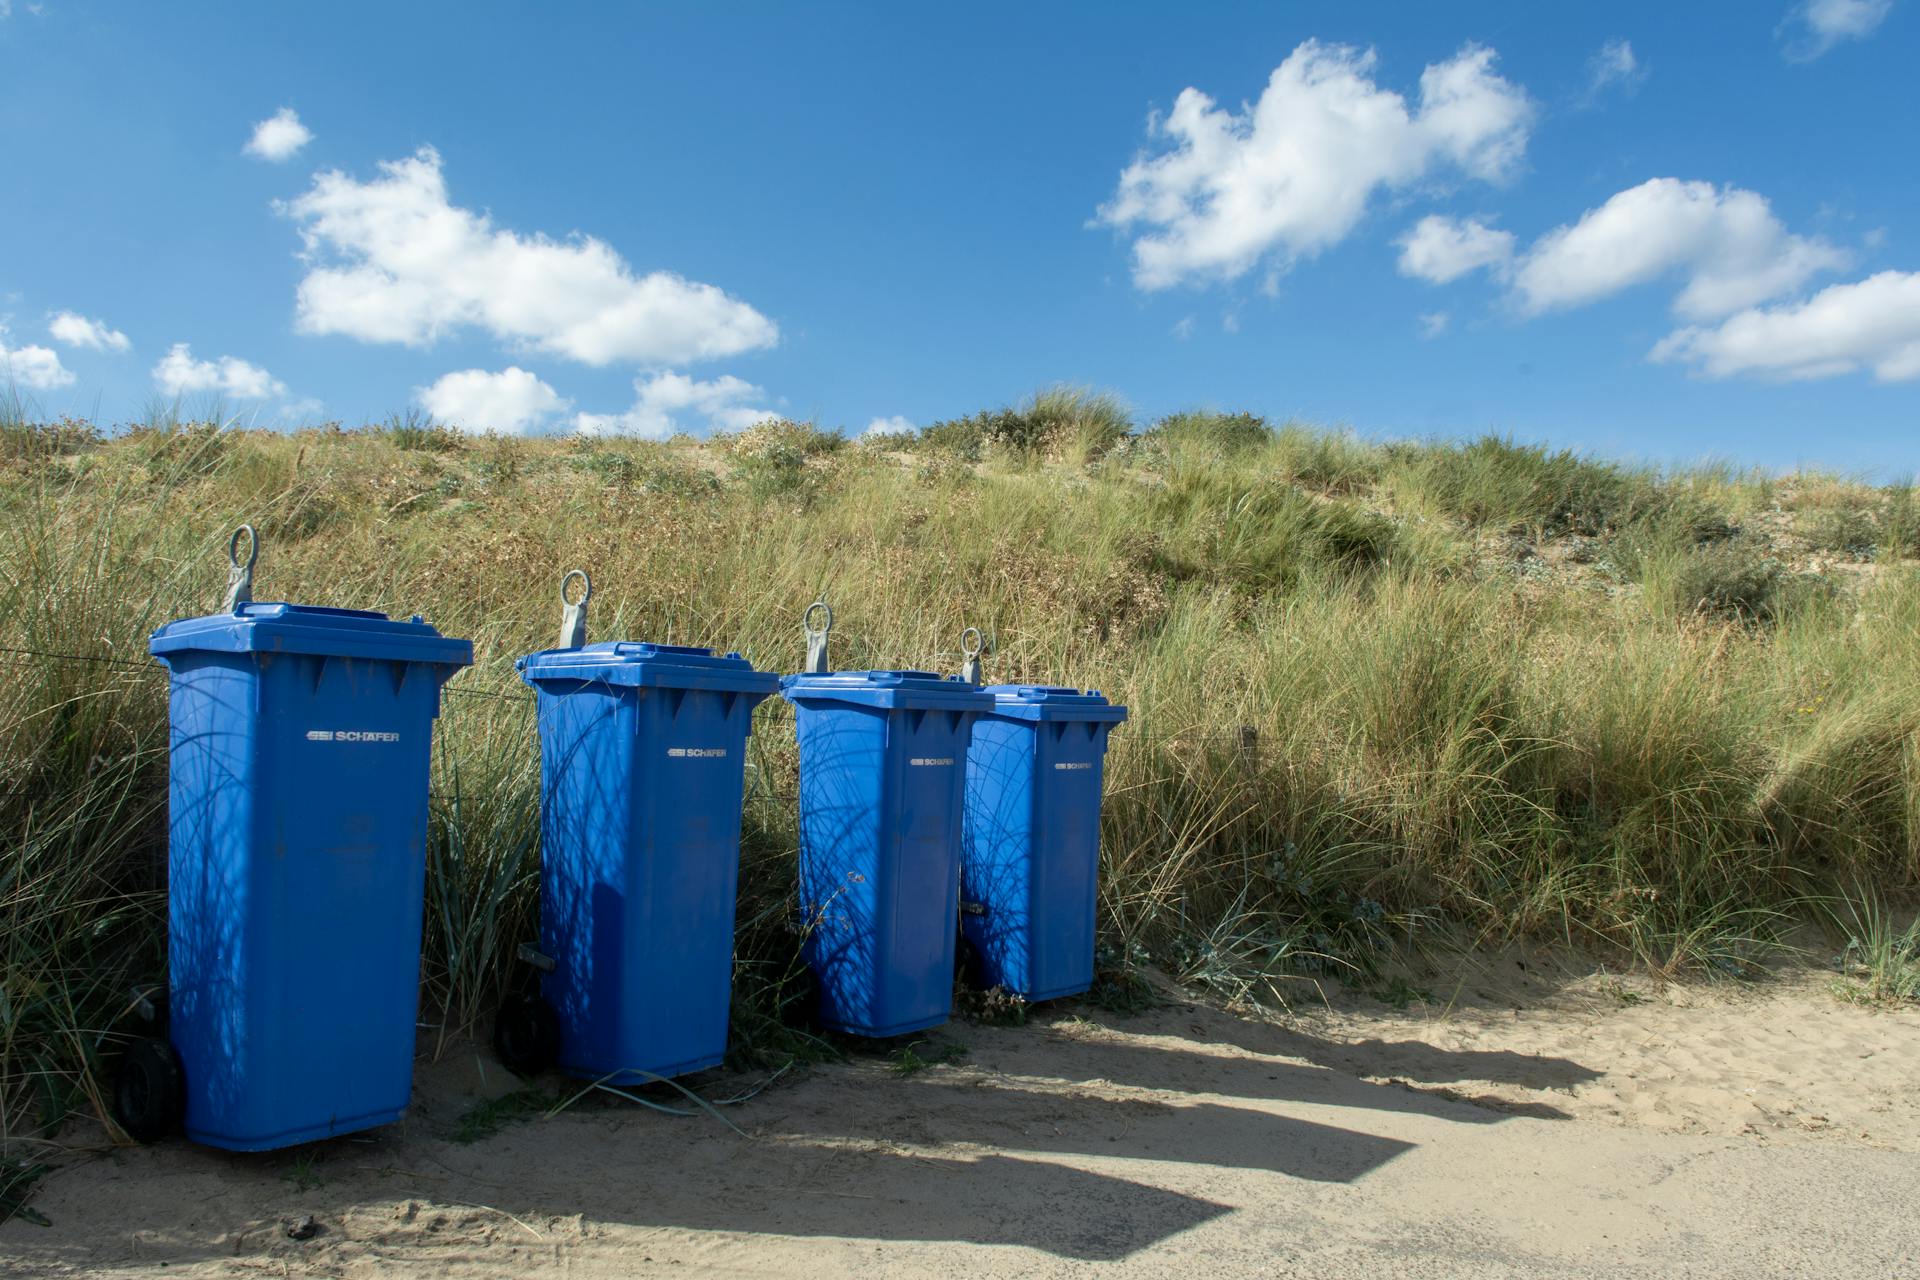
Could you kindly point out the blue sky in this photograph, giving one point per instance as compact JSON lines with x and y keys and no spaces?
{"x":1656,"y":231}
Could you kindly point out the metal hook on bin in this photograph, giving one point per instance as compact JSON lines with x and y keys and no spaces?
{"x":970,"y":666}
{"x":817,"y":640}
{"x":240,"y":576}
{"x":573,"y":613}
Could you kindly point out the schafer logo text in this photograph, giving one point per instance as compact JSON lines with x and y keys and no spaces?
{"x":698,"y":753}
{"x":351,"y":735}
{"x":931,"y":760}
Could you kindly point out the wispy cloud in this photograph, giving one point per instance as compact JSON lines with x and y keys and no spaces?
{"x":279,"y":137}
{"x":1816,"y":26}
{"x":1614,"y":67}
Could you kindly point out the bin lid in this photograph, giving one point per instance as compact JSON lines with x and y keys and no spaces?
{"x":306,"y":628}
{"x":647,"y":665}
{"x":1053,"y":702}
{"x":892,"y":690}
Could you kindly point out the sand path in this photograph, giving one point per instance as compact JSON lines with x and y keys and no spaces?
{"x":1519,"y":1125}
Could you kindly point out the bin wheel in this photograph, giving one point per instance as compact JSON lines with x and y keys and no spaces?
{"x":526,"y":1035}
{"x":150,"y":1092}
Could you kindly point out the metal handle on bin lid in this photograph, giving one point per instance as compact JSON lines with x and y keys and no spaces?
{"x":240,"y":576}
{"x":970,"y":667}
{"x":817,"y":640}
{"x":573,"y":614}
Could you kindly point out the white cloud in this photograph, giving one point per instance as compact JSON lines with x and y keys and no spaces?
{"x":1817,"y":25}
{"x":895,"y":425}
{"x":36,"y":368}
{"x":391,"y":260}
{"x":1433,"y":324}
{"x":1292,"y":174}
{"x":665,"y":403}
{"x":1439,"y":249}
{"x":77,"y":331}
{"x":178,"y":373}
{"x":1614,"y":66}
{"x":511,"y":401}
{"x":1183,"y":328}
{"x":278,"y":137}
{"x":1872,"y":323}
{"x":1726,"y":242}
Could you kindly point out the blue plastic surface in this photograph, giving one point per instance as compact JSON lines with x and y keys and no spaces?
{"x":642,"y":756}
{"x":1031,"y":863}
{"x":882,"y":767}
{"x":297,"y":822}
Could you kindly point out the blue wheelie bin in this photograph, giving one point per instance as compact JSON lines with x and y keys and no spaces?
{"x":882,"y":763}
{"x":642,"y":757}
{"x":1031,"y":856}
{"x":297,"y":825}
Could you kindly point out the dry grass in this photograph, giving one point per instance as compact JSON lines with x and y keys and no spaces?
{"x":1358,"y":720}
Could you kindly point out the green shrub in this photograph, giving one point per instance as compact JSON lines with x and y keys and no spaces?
{"x":416,"y":430}
{"x":1074,"y":424}
{"x":1900,"y":523}
{"x":779,"y":438}
{"x":962,"y":439}
{"x":1330,"y":461}
{"x":1224,"y":433}
{"x":1850,"y":531}
{"x":1494,"y":483}
{"x":1059,"y":423}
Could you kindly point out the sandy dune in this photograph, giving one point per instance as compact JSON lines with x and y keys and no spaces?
{"x":1518,"y":1125}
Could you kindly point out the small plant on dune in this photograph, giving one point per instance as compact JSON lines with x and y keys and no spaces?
{"x":17,"y":1179}
{"x":993,"y":1007}
{"x":485,"y":1119}
{"x":303,"y":1173}
{"x":1879,"y":960}
{"x":909,"y":1060}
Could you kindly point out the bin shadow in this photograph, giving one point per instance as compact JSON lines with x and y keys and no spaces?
{"x":1413,"y":1060}
{"x":960,"y":1111}
{"x":375,"y":1198}
{"x":1173,"y":1069}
